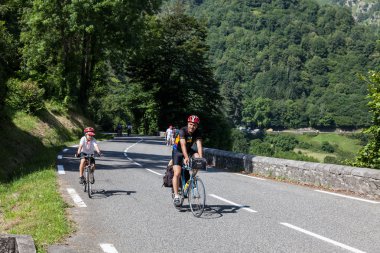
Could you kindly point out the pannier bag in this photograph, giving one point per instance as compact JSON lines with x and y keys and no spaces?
{"x":168,"y":177}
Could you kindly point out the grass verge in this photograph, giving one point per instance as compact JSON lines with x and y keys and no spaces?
{"x":32,"y":205}
{"x":30,"y":202}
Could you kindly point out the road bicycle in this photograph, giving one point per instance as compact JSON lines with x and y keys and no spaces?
{"x":88,"y":173}
{"x":192,"y":187}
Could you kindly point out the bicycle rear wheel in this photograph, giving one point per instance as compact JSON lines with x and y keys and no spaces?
{"x":197,"y":197}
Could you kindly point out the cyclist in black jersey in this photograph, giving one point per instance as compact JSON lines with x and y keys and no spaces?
{"x":182,"y":150}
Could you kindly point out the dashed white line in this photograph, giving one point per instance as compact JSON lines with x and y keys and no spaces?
{"x":233,"y":203}
{"x":322,"y":238}
{"x":59,"y":157}
{"x":65,"y":150}
{"x":77,"y":200}
{"x":349,"y":197}
{"x":61,"y":170}
{"x":154,"y":172}
{"x":108,"y":248}
{"x":258,"y":178}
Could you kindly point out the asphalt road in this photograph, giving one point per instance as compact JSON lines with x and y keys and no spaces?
{"x":131,"y":212}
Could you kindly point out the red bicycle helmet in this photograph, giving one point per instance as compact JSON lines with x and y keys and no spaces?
{"x":89,"y":129}
{"x":90,"y":133}
{"x":193,"y":119}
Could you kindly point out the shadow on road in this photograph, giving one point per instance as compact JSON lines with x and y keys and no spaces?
{"x":215,"y":211}
{"x":98,"y":194}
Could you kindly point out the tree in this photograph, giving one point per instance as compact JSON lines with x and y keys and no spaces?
{"x":63,"y":41}
{"x":172,"y":64}
{"x":257,"y":112}
{"x":369,"y":156}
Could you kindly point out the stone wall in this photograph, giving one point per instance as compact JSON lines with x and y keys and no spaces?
{"x":361,"y":181}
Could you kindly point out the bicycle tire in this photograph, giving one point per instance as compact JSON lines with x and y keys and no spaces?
{"x":197,"y":197}
{"x":85,"y":178}
{"x":89,"y":190}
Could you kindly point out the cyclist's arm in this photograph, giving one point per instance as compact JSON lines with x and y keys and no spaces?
{"x":184,"y":150}
{"x":97,"y":148}
{"x":79,"y":148}
{"x":200,"y":147}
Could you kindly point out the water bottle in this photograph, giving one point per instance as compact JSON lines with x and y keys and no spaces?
{"x":187,"y":185}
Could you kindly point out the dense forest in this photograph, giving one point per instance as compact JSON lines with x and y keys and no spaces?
{"x":115,"y":61}
{"x":255,"y":63}
{"x":289,"y":64}
{"x":363,"y":11}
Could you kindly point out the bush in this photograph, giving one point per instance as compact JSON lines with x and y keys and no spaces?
{"x":362,"y":137}
{"x":239,"y":142}
{"x":283,"y":142}
{"x":327,"y":147}
{"x":304,"y":145}
{"x":257,"y":147}
{"x":25,"y":96}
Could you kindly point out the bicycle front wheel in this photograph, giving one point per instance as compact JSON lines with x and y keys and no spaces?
{"x":89,"y":190}
{"x":197,"y":197}
{"x":85,"y":180}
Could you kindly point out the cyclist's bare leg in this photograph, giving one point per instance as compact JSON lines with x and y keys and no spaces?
{"x":196,"y":155}
{"x":177,"y":174}
{"x":81,"y":166}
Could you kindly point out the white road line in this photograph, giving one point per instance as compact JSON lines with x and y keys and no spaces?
{"x":126,"y":150}
{"x":154,"y":172}
{"x":59,"y":157}
{"x":349,"y":197}
{"x":61,"y":170}
{"x":258,"y":178}
{"x":77,"y":200}
{"x":65,"y":150}
{"x":108,"y":248}
{"x":138,"y":164}
{"x":323,"y":238}
{"x":232,"y":203}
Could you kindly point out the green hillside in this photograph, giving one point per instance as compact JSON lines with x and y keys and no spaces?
{"x":289,"y":64}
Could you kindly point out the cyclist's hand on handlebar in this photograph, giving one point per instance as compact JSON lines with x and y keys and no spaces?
{"x":186,"y":161}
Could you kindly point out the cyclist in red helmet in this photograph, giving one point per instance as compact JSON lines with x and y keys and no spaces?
{"x":87,"y":146}
{"x":182,"y":150}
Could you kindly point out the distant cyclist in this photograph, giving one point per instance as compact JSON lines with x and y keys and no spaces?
{"x":87,"y":146}
{"x":182,"y":150}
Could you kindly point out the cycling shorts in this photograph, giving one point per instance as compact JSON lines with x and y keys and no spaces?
{"x":178,"y":156}
{"x":92,"y":159}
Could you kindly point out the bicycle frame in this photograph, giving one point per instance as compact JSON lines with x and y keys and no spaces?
{"x":193,"y":189}
{"x":88,"y":167}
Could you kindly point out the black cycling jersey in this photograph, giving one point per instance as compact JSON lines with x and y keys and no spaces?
{"x":190,"y":138}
